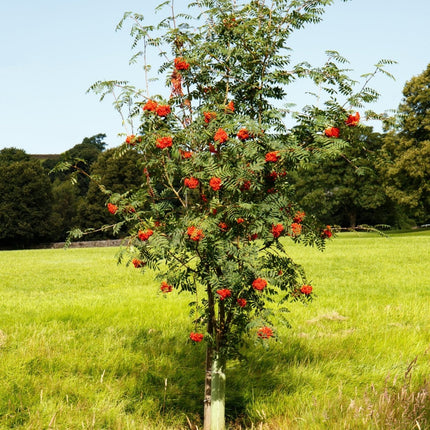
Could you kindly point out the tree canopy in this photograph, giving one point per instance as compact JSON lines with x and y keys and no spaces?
{"x":407,"y":150}
{"x":12,"y":155}
{"x":25,"y":203}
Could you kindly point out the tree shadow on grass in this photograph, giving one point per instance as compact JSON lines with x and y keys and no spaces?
{"x":170,"y":381}
{"x":263,"y":371}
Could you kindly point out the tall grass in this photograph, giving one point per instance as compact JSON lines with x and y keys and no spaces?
{"x":85,"y":343}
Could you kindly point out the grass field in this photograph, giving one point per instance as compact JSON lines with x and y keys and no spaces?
{"x":88,"y":344}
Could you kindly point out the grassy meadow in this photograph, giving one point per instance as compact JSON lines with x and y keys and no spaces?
{"x":89,"y":344}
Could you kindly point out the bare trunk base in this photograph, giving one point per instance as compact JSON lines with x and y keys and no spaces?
{"x":218,"y":394}
{"x":208,"y":383}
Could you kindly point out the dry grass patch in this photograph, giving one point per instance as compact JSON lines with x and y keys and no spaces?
{"x":397,"y":406}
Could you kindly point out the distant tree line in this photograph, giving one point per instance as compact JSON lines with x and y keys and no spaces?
{"x":384,"y":178}
{"x":39,"y":206}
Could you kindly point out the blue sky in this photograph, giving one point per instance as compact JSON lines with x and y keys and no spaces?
{"x":51,"y":51}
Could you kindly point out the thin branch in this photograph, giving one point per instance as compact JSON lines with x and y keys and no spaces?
{"x":180,"y":261}
{"x":169,"y":182}
{"x":173,"y":14}
{"x":137,"y":23}
{"x":145,"y":63}
{"x":369,"y":78}
{"x":120,"y":111}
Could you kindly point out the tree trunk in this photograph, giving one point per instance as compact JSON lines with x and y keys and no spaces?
{"x":353,"y":219}
{"x":218,"y":394}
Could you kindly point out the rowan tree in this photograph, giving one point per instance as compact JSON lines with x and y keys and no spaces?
{"x":216,"y":208}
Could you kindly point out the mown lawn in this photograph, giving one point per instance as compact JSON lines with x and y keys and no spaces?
{"x":85,"y":343}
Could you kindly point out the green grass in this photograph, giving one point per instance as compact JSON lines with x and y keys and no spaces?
{"x":85,"y":343}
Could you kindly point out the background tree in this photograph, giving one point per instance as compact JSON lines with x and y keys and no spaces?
{"x":25,"y":201}
{"x":67,"y":198}
{"x":12,"y":155}
{"x":55,"y":208}
{"x":82,"y":155}
{"x":407,"y":150}
{"x":64,"y":208}
{"x":347,"y":190}
{"x":119,"y":174}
